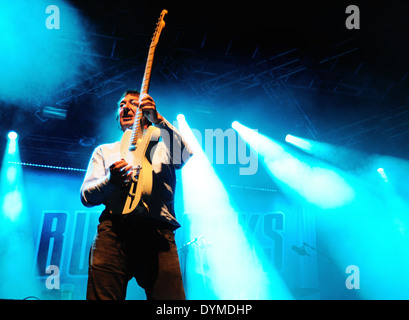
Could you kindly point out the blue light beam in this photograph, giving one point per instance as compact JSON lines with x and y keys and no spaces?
{"x":11,"y":180}
{"x":316,"y":184}
{"x":235,"y":270}
{"x":38,"y":58}
{"x":341,"y":157}
{"x":16,"y":235}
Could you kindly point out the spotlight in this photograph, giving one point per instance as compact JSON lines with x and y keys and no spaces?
{"x":382,"y":173}
{"x":12,"y":143}
{"x":303,"y":144}
{"x":12,"y":135}
{"x":234,"y":124}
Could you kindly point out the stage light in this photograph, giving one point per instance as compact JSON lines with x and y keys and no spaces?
{"x":234,"y":269}
{"x":339,"y":156}
{"x":180,"y":117}
{"x":299,"y":142}
{"x":11,"y":179}
{"x":381,"y":170}
{"x":12,"y":143}
{"x":259,"y":143}
{"x":12,"y":135}
{"x":382,"y":174}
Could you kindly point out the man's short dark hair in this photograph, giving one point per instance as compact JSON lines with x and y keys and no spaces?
{"x":129,"y":91}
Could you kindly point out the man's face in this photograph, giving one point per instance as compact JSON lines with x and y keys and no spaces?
{"x":128,"y":107}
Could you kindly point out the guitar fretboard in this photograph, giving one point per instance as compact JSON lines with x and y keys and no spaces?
{"x":136,"y":128}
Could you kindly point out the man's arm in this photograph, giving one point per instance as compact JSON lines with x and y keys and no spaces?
{"x":98,"y":183}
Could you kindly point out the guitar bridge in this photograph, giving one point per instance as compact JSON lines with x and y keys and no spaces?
{"x":135,"y":176}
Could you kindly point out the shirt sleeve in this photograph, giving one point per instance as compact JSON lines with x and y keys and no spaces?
{"x":179,"y":150}
{"x":96,"y":186}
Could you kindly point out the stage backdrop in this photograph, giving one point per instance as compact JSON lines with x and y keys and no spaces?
{"x":45,"y":248}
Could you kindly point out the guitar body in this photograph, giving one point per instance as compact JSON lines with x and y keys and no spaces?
{"x":135,"y":197}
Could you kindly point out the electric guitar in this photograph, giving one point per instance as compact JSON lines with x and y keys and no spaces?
{"x":136,"y":146}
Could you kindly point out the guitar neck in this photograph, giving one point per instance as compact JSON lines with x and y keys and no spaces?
{"x":136,"y":128}
{"x":148,"y":70}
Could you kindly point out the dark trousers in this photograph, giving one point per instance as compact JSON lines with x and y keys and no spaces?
{"x":127,"y":247}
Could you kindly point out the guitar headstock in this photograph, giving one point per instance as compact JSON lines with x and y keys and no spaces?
{"x":159,"y":26}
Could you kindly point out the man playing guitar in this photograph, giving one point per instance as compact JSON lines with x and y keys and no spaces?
{"x":135,"y":179}
{"x":140,"y":244}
